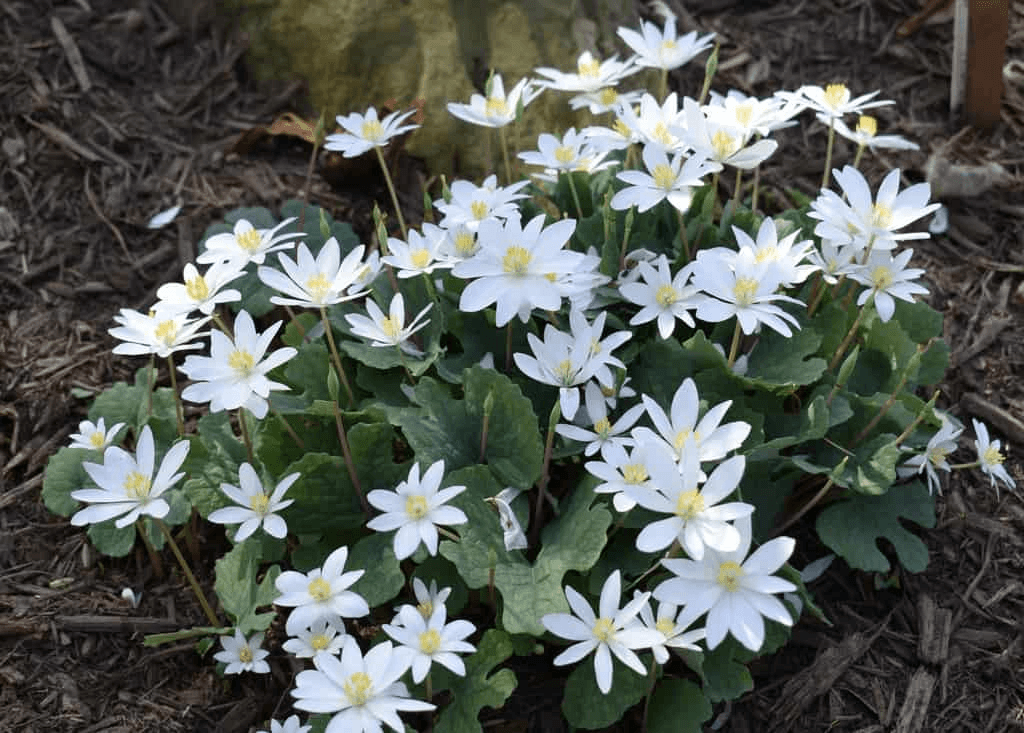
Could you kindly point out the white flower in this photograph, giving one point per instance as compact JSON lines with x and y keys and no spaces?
{"x":235,"y":373}
{"x":835,"y":259}
{"x":291,"y":725}
{"x":736,"y":594}
{"x":671,"y":623}
{"x":888,"y":277}
{"x":751,"y":115}
{"x":990,"y":457}
{"x":613,"y":632}
{"x":518,"y":268}
{"x":603,"y":430}
{"x":431,"y":640}
{"x":161,"y":332}
{"x":661,"y":48}
{"x":428,"y":598}
{"x":201,"y":292}
{"x":512,"y":531}
{"x":671,"y":180}
{"x":591,"y":74}
{"x":833,"y":101}
{"x":698,"y":518}
{"x":496,"y":109}
{"x":255,"y":506}
{"x":934,"y":456}
{"x":620,"y":472}
{"x":321,"y":593}
{"x":243,"y":655}
{"x":607,"y":99}
{"x":721,"y":142}
{"x":364,"y":132}
{"x":320,"y":636}
{"x":470,"y":204}
{"x":310,"y":282}
{"x":661,"y":296}
{"x":570,"y":153}
{"x":420,"y":255}
{"x":783,"y":257}
{"x":127,"y":487}
{"x":866,"y":134}
{"x":742,"y":288}
{"x":363,"y":691}
{"x":459,"y":244}
{"x":415,"y":508}
{"x":94,"y":437}
{"x":246,"y":244}
{"x":389,"y":330}
{"x":657,"y":123}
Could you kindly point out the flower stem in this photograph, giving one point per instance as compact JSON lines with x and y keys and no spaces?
{"x":757,"y":188}
{"x":652,"y":681}
{"x":504,"y":154}
{"x":508,"y":347}
{"x":210,"y":615}
{"x":627,"y":230}
{"x":849,"y":337}
{"x":542,"y":483}
{"x":739,"y":188}
{"x":682,"y":235}
{"x":575,"y":194}
{"x":816,"y":294}
{"x":154,"y":558}
{"x":151,"y":374}
{"x":391,"y":190}
{"x":828,"y":153}
{"x":735,"y":346}
{"x":179,"y":411}
{"x":911,"y":365}
{"x":663,"y":85}
{"x":858,"y":154}
{"x":245,"y":434}
{"x":347,"y":455}
{"x":812,"y":503}
{"x":219,"y":323}
{"x":329,"y":332}
{"x":291,"y":431}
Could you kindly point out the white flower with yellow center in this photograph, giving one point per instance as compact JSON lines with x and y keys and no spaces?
{"x":614,"y":631}
{"x":569,"y":153}
{"x":665,"y":179}
{"x":888,"y":277}
{"x":427,"y":597}
{"x":365,"y":132}
{"x":389,"y":330}
{"x":620,"y":472}
{"x":783,"y":257}
{"x":431,"y":639}
{"x":866,"y":134}
{"x":420,"y":255}
{"x":672,"y":624}
{"x":361,"y":692}
{"x":243,"y":655}
{"x":291,"y":725}
{"x":497,"y":108}
{"x":318,"y":282}
{"x":721,"y":142}
{"x":991,"y":456}
{"x":737,"y":592}
{"x":751,"y":115}
{"x":415,"y":508}
{"x":127,"y":487}
{"x":202,"y":292}
{"x":662,"y":296}
{"x":94,"y":436}
{"x":255,"y":507}
{"x":246,"y":244}
{"x":654,"y":123}
{"x":470,"y":204}
{"x":607,"y":99}
{"x":935,"y":456}
{"x":661,"y":48}
{"x":833,"y":100}
{"x":602,"y":431}
{"x":162,"y":332}
{"x":320,"y":636}
{"x":322,"y":593}
{"x":235,"y":373}
{"x":591,"y":74}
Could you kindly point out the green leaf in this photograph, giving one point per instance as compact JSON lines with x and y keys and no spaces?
{"x":785,"y":362}
{"x":111,"y":541}
{"x":120,"y":403}
{"x":383,"y":579}
{"x":238,"y":590}
{"x":64,"y":474}
{"x":722,"y":671}
{"x":874,"y":470}
{"x":443,"y":427}
{"x":677,"y":706}
{"x":664,"y":364}
{"x":585,"y":706}
{"x":213,"y":458}
{"x":851,"y":528}
{"x":479,"y":688}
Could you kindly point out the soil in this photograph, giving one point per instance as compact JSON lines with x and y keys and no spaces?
{"x":110,"y":115}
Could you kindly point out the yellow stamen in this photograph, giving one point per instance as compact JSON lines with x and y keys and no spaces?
{"x":319,"y":590}
{"x":479,"y":209}
{"x":391,"y":328}
{"x":668,"y":46}
{"x":496,"y":107}
{"x":167,"y":332}
{"x":465,"y":243}
{"x":245,"y":654}
{"x":689,"y":504}
{"x":197,"y":289}
{"x":666,"y":295}
{"x":867,"y":125}
{"x":745,"y":290}
{"x":681,"y":437}
{"x":420,"y":258}
{"x":426,"y":609}
{"x":358,"y":689}
{"x":416,"y":507}
{"x":729,"y":574}
{"x":588,"y":67}
{"x":663,"y":177}
{"x":634,"y":473}
{"x":318,"y":287}
{"x":836,"y":95}
{"x":249,"y":240}
{"x":723,"y":144}
{"x":564,"y":154}
{"x":992,"y":456}
{"x":136,"y":485}
{"x":744,"y":113}
{"x":516,"y":260}
{"x":259,"y":503}
{"x":882,"y":277}
{"x":565,"y":372}
{"x":604,"y":629}
{"x":430,"y":641}
{"x":319,"y":642}
{"x":881,"y":216}
{"x":96,"y":440}
{"x":241,"y":361}
{"x":603,"y":427}
{"x":661,"y":134}
{"x":372,"y":131}
{"x":766,"y":254}
{"x":665,"y":625}
{"x":622,"y":128}
{"x":607,"y":96}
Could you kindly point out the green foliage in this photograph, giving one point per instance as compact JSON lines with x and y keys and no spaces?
{"x":480,"y":687}
{"x":585,"y":706}
{"x":678,"y":706}
{"x":383,"y":579}
{"x":64,"y":474}
{"x":243,"y":589}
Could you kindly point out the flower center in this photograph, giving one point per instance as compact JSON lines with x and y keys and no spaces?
{"x":744,"y":290}
{"x":604,"y":629}
{"x":564,"y":372}
{"x":391,"y":328}
{"x":97,"y":440}
{"x":622,"y":128}
{"x":881,"y":216}
{"x":426,"y":609}
{"x":564,"y":154}
{"x":259,"y":503}
{"x":681,"y":437}
{"x":479,"y":209}
{"x":607,"y":96}
{"x":634,"y":473}
{"x":588,"y":67}
{"x":661,"y":134}
{"x":668,"y":46}
{"x":766,"y":254}
{"x":166,"y":331}
{"x":882,"y":278}
{"x":358,"y":688}
{"x":241,"y":361}
{"x":136,"y":485}
{"x":603,"y":427}
{"x":867,"y":125}
{"x":729,"y":574}
{"x":992,"y":456}
{"x":420,"y":258}
{"x":744,"y":113}
{"x":317,"y":287}
{"x":249,"y":240}
{"x":516,"y":260}
{"x":319,"y":642}
{"x":663,"y":176}
{"x":938,"y":456}
{"x":372,"y":131}
{"x":723,"y":144}
{"x":465,"y":244}
{"x":196,"y":288}
{"x":665,"y":625}
{"x":666,"y":295}
{"x":496,"y":107}
{"x":430,"y":641}
{"x":245,"y":655}
{"x":689,"y":504}
{"x":416,"y":507}
{"x":836,"y":95}
{"x":319,"y":590}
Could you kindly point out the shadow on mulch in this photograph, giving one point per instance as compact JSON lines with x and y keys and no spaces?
{"x":92,"y":148}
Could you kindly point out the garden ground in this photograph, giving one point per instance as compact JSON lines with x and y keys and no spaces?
{"x":111,"y":115}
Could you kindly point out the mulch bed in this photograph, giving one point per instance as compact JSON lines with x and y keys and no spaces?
{"x":110,"y":115}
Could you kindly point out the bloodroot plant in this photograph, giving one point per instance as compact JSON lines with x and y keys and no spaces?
{"x":574,"y":419}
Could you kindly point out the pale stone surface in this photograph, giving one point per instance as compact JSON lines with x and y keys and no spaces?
{"x":358,"y":53}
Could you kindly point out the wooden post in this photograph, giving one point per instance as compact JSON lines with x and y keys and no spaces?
{"x":985,"y":48}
